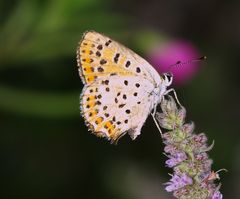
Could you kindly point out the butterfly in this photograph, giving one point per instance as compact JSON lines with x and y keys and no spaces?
{"x":120,"y":88}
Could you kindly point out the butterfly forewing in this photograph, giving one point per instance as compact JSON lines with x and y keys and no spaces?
{"x":99,"y":56}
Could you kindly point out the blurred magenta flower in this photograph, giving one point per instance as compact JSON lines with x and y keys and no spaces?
{"x":169,"y":53}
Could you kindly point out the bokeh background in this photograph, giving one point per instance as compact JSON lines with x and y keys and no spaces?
{"x":45,"y":149}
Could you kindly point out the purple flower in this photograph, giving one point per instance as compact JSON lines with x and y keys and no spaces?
{"x":201,"y":156}
{"x":170,"y":53}
{"x":178,"y":182}
{"x":170,"y":149}
{"x":187,"y":155}
{"x":200,"y":138}
{"x":176,"y":159}
{"x":188,"y":128}
{"x":217,"y":195}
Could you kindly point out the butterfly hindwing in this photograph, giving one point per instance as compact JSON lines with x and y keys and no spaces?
{"x":113,"y":106}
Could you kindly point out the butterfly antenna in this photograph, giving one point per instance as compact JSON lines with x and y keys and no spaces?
{"x":179,"y":63}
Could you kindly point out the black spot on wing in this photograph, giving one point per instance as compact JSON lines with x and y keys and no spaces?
{"x":100,"y":47}
{"x":103,"y":61}
{"x":100,"y":69}
{"x":121,"y":105}
{"x":137,"y":85}
{"x":128,"y":111}
{"x":127,"y":64}
{"x":116,"y":58}
{"x":105,"y":108}
{"x":108,"y":42}
{"x":98,"y":54}
{"x":138,"y":70}
{"x":106,"y":114}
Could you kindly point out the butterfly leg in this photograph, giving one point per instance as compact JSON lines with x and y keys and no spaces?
{"x":155,"y":121}
{"x":175,"y":95}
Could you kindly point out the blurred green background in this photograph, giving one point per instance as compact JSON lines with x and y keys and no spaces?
{"x":45,"y":149}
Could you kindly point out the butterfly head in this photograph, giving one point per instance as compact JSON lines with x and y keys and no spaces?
{"x":161,"y":89}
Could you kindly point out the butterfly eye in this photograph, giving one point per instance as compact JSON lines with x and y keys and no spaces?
{"x":168,"y":78}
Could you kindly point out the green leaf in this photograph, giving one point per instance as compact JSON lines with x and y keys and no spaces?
{"x":33,"y":103}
